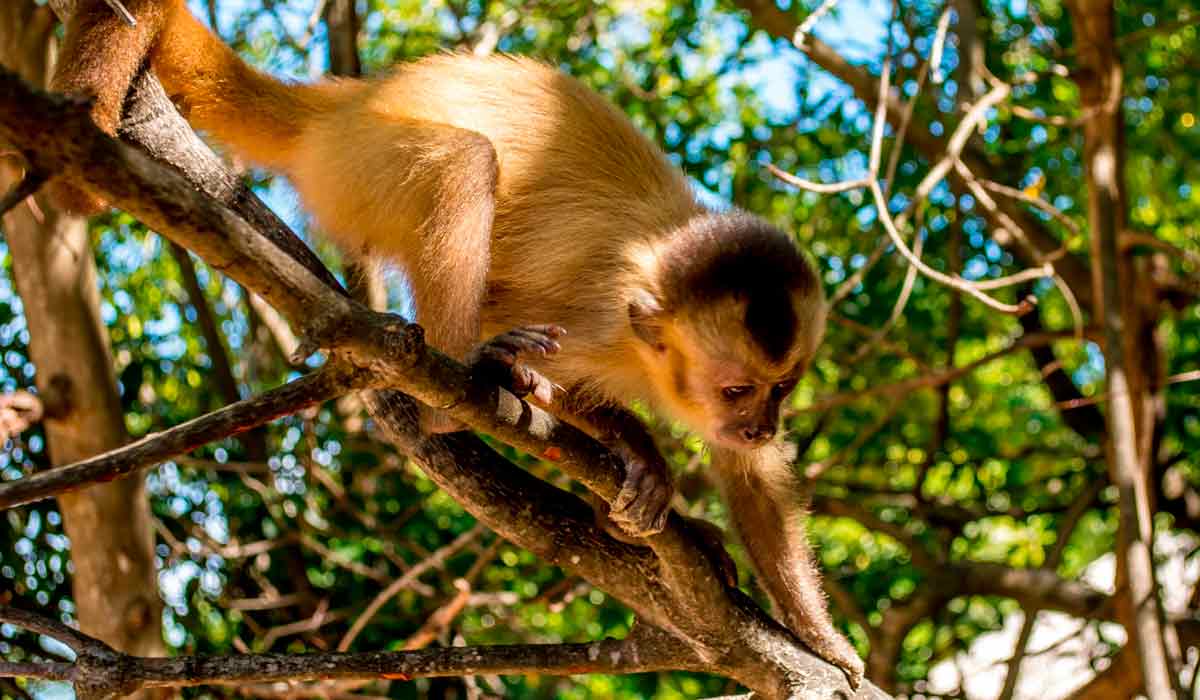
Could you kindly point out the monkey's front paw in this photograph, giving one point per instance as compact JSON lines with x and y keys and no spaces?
{"x":841,"y":654}
{"x":496,"y":360}
{"x":644,"y":501}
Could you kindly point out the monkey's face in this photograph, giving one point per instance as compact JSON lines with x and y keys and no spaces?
{"x":740,"y":400}
{"x":711,"y":372}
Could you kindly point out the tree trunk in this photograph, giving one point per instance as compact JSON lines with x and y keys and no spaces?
{"x":1128,"y":360}
{"x":363,"y":279}
{"x":112,"y":543}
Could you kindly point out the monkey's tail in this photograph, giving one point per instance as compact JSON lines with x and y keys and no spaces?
{"x":258,"y":116}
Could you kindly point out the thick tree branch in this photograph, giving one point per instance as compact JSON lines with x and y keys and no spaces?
{"x":1087,"y":421}
{"x":1127,"y":368}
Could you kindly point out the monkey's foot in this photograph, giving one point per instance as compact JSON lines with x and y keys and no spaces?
{"x":644,"y":501}
{"x":497,"y":360}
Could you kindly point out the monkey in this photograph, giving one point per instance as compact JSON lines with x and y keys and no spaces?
{"x":511,"y":194}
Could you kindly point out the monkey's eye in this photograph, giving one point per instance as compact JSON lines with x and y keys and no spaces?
{"x":732,"y":393}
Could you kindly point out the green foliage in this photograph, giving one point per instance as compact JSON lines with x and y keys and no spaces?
{"x":980,"y":469}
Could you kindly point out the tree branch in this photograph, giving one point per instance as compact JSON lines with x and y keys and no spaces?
{"x":101,"y":672}
{"x":236,"y":418}
{"x":1040,"y":244}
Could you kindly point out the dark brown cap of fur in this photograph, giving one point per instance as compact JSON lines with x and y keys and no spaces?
{"x":734,"y":254}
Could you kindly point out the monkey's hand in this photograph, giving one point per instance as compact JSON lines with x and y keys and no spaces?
{"x":496,"y":361}
{"x":644,"y":501}
{"x":829,"y":644}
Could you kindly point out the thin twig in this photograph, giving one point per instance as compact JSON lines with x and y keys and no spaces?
{"x":1070,"y":521}
{"x":910,"y":279}
{"x":975,"y":117}
{"x":1180,"y":378}
{"x":435,"y":559}
{"x":855,"y":279}
{"x":953,"y":282}
{"x":811,"y":21}
{"x":1186,"y":19}
{"x":310,"y":389}
{"x":122,"y":12}
{"x":939,"y":42}
{"x":818,"y":187}
{"x":1056,"y":213}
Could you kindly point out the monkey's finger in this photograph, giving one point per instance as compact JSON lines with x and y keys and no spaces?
{"x":543,"y":390}
{"x":516,"y":341}
{"x":549,"y":329}
{"x":660,"y":521}
{"x":656,"y":504}
{"x":545,"y":343}
{"x":624,"y":497}
{"x":526,"y":381}
{"x":495,"y":355}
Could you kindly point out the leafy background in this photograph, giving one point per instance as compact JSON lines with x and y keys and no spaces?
{"x":980,"y":469}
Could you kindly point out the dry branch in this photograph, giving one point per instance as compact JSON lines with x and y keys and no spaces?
{"x":100,"y":672}
{"x":233,"y":419}
{"x":1038,"y":244}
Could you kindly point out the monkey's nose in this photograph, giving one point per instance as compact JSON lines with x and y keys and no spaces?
{"x":757,"y":435}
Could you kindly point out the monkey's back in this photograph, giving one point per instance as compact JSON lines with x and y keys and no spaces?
{"x":578,"y":187}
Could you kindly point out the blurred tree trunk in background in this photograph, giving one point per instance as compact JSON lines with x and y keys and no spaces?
{"x":1131,"y":356}
{"x":363,"y":279}
{"x":112,"y":543}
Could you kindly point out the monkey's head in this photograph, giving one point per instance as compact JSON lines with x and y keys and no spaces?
{"x":728,"y":323}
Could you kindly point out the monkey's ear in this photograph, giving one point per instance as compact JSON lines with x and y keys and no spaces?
{"x":647,"y":317}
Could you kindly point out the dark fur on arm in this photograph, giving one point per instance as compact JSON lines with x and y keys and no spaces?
{"x":761,"y":493}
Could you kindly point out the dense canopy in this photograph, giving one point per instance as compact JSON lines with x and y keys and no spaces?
{"x":964,"y":463}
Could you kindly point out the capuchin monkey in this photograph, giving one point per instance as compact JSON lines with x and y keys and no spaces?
{"x":512,"y":195}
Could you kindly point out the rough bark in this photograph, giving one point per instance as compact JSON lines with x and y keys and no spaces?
{"x":115,"y":583}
